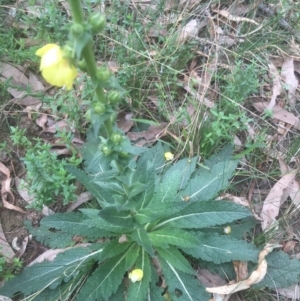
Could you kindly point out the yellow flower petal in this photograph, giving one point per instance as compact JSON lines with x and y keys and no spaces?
{"x":169,"y":156}
{"x":56,"y":70}
{"x":40,"y":52}
{"x":136,"y":275}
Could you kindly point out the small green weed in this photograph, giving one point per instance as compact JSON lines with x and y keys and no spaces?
{"x":8,"y":270}
{"x":47,"y":179}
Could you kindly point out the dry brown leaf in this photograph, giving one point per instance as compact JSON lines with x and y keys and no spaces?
{"x":5,"y":249}
{"x":35,"y":83}
{"x":199,"y":96}
{"x":294,"y":187}
{"x":42,"y":121}
{"x":233,"y":18}
{"x":208,"y":279}
{"x":124,"y":121}
{"x":153,"y":133}
{"x":289,"y":246}
{"x":82,"y":198}
{"x":276,"y":197}
{"x":291,"y":292}
{"x":14,"y":72}
{"x":6,"y":192}
{"x":61,"y":125}
{"x":255,"y":277}
{"x":291,"y":81}
{"x":113,"y":66}
{"x":188,"y":31}
{"x":276,"y":86}
{"x":241,"y":270}
{"x":279,"y":113}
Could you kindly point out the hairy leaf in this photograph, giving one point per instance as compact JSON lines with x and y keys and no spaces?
{"x":154,"y":157}
{"x":103,"y":197}
{"x":39,"y":276}
{"x":115,"y":217}
{"x":222,"y":248}
{"x":182,"y":286}
{"x":282,"y":271}
{"x":72,"y":223}
{"x":141,"y":237}
{"x":186,"y":167}
{"x":167,"y":188}
{"x":53,"y":239}
{"x":132,"y":255}
{"x":176,"y":259}
{"x":138,"y":290}
{"x":95,"y":162}
{"x":205,"y":214}
{"x":105,"y":281}
{"x":94,"y":220}
{"x":156,"y":211}
{"x":113,"y":248}
{"x":181,"y":238}
{"x":213,"y":177}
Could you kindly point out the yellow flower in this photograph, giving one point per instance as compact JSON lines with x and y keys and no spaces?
{"x":136,"y":275}
{"x":169,"y":156}
{"x":56,"y":69}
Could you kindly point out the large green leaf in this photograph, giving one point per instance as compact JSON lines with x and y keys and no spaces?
{"x":178,"y":237}
{"x":94,"y":220}
{"x":167,"y":189}
{"x":282,"y":271}
{"x":103,"y":196}
{"x":213,"y":177}
{"x":115,"y":217}
{"x":95,"y":161}
{"x":105,"y":281}
{"x":53,"y":239}
{"x":39,"y":276}
{"x":141,"y":237}
{"x":71,"y":222}
{"x":149,"y":181}
{"x":154,"y":157}
{"x":186,"y":167}
{"x":222,"y":248}
{"x":238,"y":228}
{"x":113,"y":248}
{"x":138,"y":290}
{"x":132,"y":255}
{"x":205,"y":214}
{"x":156,"y":211}
{"x":176,"y":259}
{"x":182,"y":286}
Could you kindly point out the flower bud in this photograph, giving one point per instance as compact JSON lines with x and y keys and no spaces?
{"x":82,"y":65}
{"x":106,"y":150}
{"x":99,"y":108}
{"x":116,"y":138}
{"x":77,"y":30}
{"x":97,"y":22}
{"x":113,"y":96}
{"x":123,"y":154}
{"x":103,"y":74}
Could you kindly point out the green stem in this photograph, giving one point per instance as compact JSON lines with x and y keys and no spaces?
{"x":89,"y":57}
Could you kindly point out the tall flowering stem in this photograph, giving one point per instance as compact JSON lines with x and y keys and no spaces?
{"x":89,"y":57}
